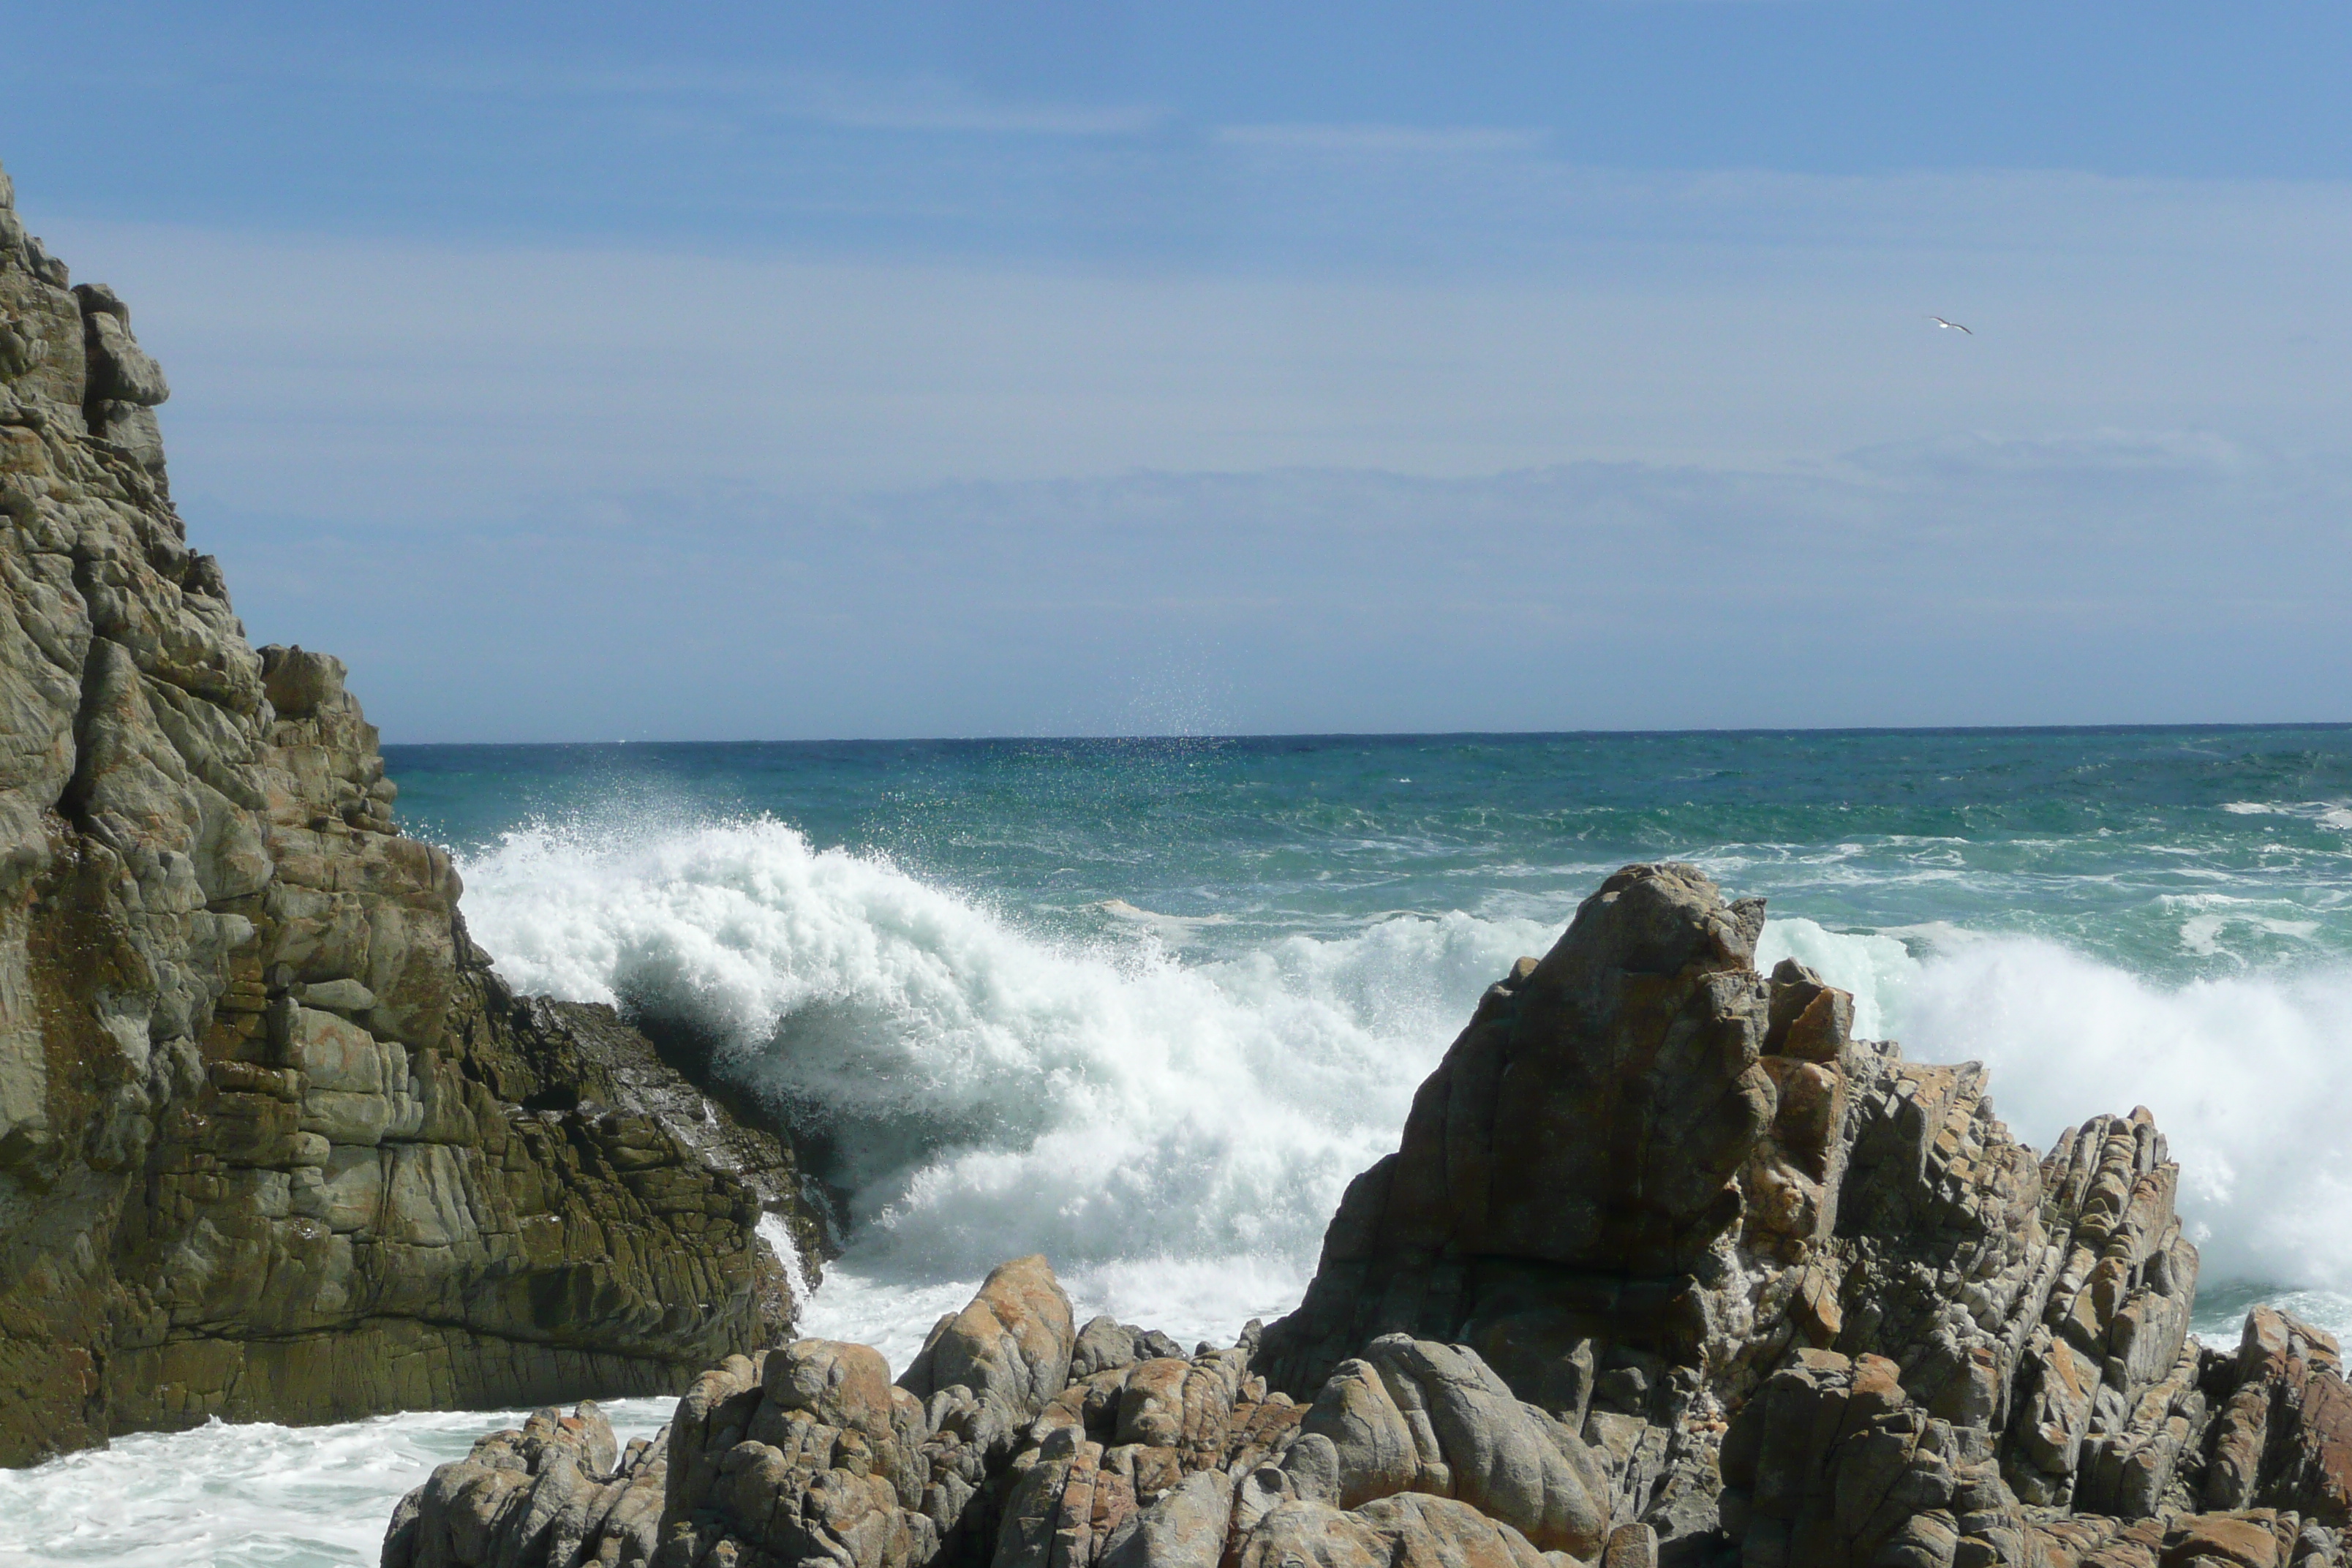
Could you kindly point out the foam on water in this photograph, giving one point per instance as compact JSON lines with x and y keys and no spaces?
{"x":2247,"y":1075}
{"x":1173,"y":1118}
{"x":1174,"y":1137}
{"x":246,"y":1496}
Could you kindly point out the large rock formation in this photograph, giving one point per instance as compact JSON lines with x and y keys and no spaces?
{"x":1669,"y":1269}
{"x":273,"y":1140}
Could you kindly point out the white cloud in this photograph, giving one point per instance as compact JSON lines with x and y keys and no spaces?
{"x":1666,"y":479}
{"x":314,"y":371}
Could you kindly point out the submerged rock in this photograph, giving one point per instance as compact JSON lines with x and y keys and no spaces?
{"x":274,"y":1141}
{"x":1669,"y":1270}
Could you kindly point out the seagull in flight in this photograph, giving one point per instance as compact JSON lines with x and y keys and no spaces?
{"x":1955,"y":326}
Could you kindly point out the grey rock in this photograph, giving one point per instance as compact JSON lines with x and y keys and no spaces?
{"x":346,"y":997}
{"x":1413,"y":1415}
{"x":556,"y":1492}
{"x":1436,"y":1531}
{"x":1102,"y":1344}
{"x":1185,"y":1528}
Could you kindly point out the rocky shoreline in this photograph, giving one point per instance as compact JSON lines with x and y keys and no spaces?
{"x":1668,"y":1269}
{"x":275,"y":1144}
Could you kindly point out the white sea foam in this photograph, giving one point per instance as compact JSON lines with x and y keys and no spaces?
{"x":1174,"y":1137}
{"x":245,"y":1496}
{"x":2333,"y":815}
{"x":779,"y":1237}
{"x":2248,"y":1075}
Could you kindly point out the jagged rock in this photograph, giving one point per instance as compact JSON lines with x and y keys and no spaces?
{"x":1833,"y":1463}
{"x":1656,"y":1193}
{"x":1415,"y":1416}
{"x":556,"y":1492}
{"x":2284,"y":1438}
{"x":810,"y":1452}
{"x":766,"y":1451}
{"x":274,"y":1142}
{"x":1009,"y":1350}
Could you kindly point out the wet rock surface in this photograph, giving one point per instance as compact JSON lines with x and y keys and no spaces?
{"x":1668,"y":1269}
{"x":274,"y":1141}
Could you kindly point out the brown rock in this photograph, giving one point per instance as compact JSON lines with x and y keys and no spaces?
{"x":1011,"y":1347}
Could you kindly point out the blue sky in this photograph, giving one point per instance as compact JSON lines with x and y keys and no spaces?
{"x":723,"y":371}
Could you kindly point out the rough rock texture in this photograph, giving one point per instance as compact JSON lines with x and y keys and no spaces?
{"x":1669,"y":1270}
{"x":556,"y":1492}
{"x":273,"y":1141}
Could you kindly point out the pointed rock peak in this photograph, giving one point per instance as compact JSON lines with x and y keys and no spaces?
{"x":1660,"y":918}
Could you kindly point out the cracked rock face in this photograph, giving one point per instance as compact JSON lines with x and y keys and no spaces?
{"x":264,"y":1152}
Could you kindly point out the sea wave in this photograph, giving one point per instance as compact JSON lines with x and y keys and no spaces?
{"x":1176,"y":1135}
{"x":249,"y":1495}
{"x":2246,"y":1074}
{"x":989,"y":1091}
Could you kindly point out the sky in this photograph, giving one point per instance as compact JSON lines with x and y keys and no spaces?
{"x":771,"y":371}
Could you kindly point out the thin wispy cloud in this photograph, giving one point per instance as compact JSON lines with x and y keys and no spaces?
{"x":1396,"y":367}
{"x":1446,"y":140}
{"x":926,"y":102}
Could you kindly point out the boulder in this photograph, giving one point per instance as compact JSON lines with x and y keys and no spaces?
{"x":556,"y":1492}
{"x":1411,"y":1416}
{"x":2283,"y":1437}
{"x":1407,"y":1529}
{"x":1009,"y":1348}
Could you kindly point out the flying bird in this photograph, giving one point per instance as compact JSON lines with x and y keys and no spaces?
{"x":1953,"y":325}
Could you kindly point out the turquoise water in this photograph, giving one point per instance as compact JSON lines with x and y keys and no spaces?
{"x":1147,"y":1004}
{"x":2177,"y":853}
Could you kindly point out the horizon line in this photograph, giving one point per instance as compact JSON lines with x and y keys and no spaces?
{"x":2200,"y":726}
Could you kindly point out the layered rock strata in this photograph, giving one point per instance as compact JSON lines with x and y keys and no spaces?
{"x":274,"y":1142}
{"x":1669,"y":1269}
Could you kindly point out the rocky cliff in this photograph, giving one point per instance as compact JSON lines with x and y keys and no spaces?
{"x":274,"y":1141}
{"x":1668,"y":1269}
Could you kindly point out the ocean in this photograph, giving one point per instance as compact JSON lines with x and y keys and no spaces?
{"x":1145,"y":1005}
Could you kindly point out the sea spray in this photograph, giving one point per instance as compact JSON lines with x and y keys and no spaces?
{"x":1175,"y":1136}
{"x":256,"y":1495}
{"x":2248,"y":1077}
